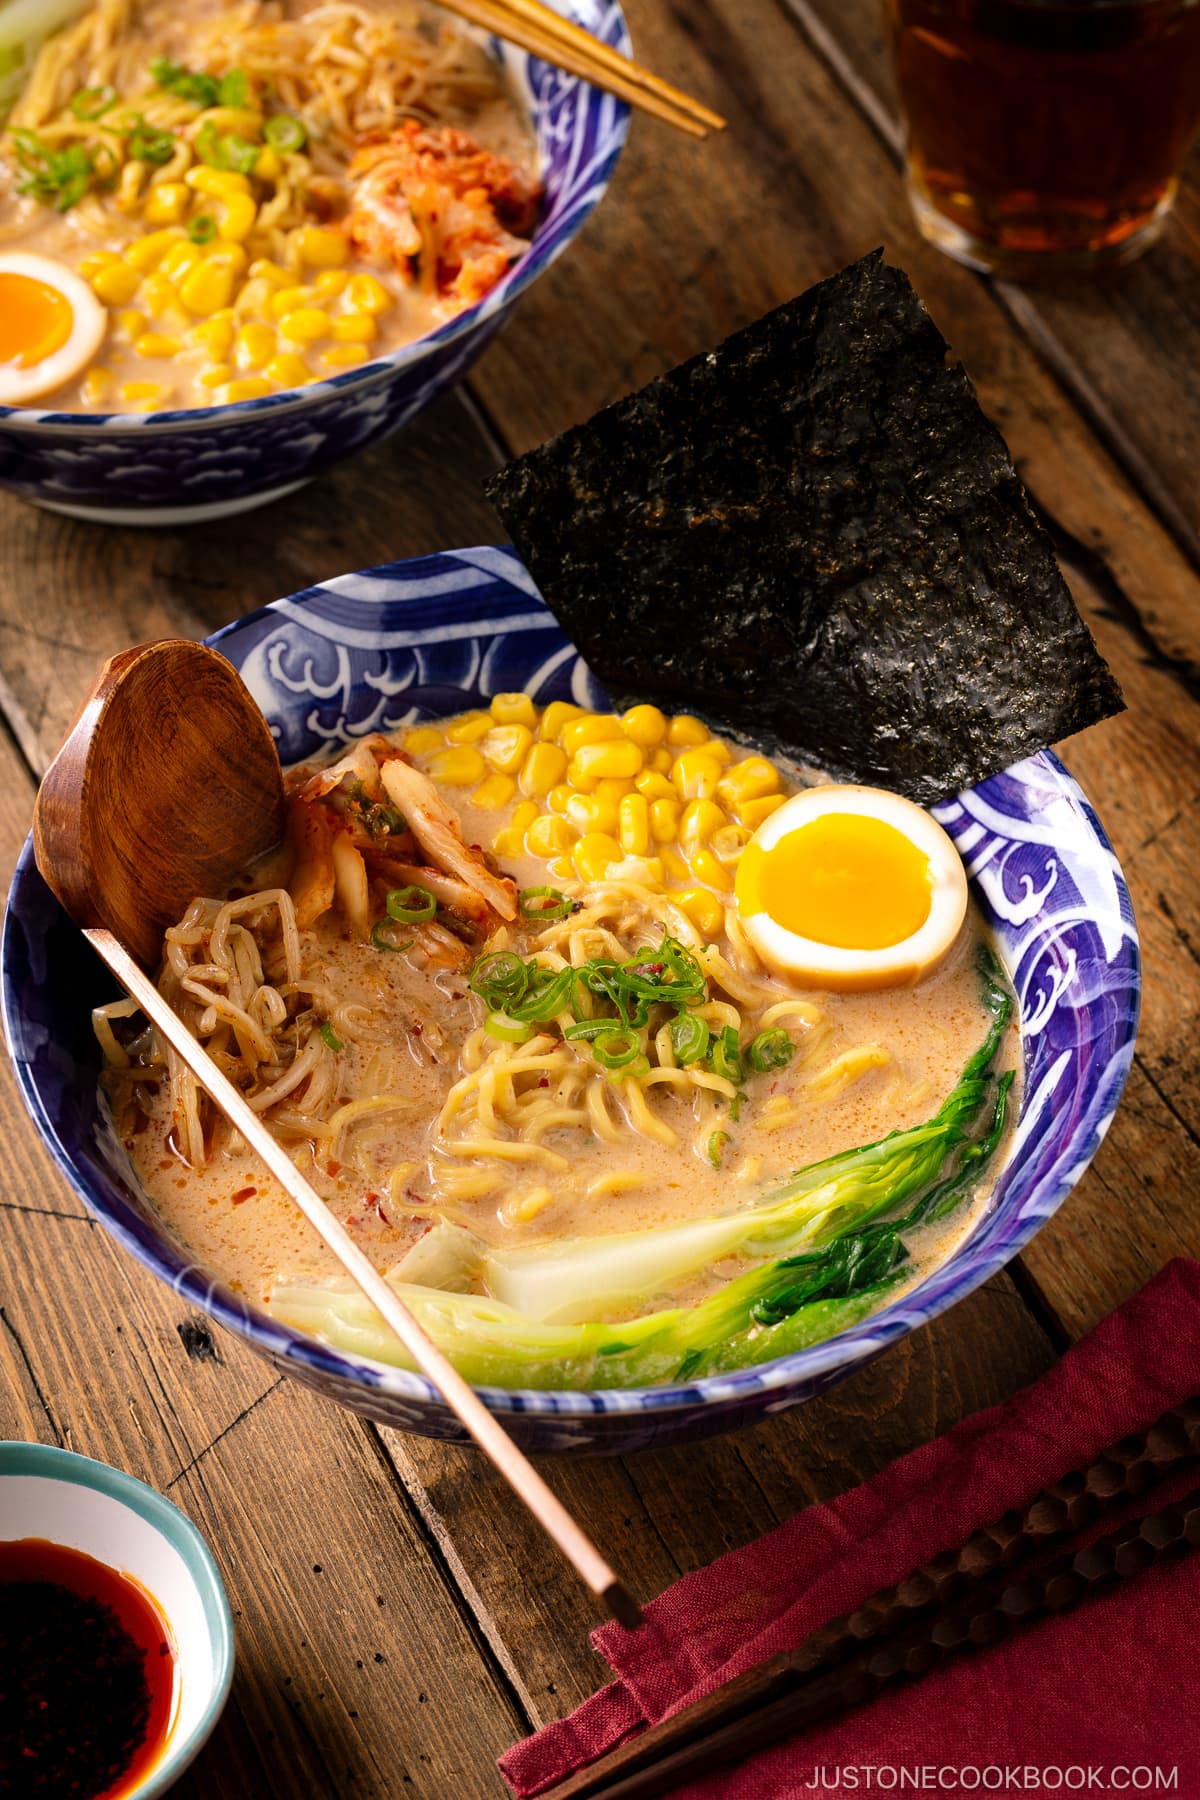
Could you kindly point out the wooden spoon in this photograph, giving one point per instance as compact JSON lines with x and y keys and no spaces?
{"x":166,"y":788}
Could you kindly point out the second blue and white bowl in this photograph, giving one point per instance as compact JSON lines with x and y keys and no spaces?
{"x":378,"y":650}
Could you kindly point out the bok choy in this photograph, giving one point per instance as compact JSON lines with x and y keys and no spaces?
{"x":833,"y":1233}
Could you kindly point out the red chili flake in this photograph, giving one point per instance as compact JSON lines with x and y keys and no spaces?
{"x":414,"y":1031}
{"x":244,"y":1194}
{"x":545,"y":1081}
{"x":411,"y":1194}
{"x":333,"y":1168}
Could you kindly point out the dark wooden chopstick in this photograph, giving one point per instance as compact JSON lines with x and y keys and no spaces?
{"x":960,"y":1598}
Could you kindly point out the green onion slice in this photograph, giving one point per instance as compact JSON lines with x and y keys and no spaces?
{"x":57,"y":178}
{"x":500,"y":979}
{"x":770,"y":1050}
{"x":234,"y":89}
{"x":726,"y":1056}
{"x":690,"y":1038}
{"x":330,"y":1035}
{"x":93,"y":102}
{"x":549,"y":991}
{"x":617,"y":1049}
{"x":285,"y":132}
{"x":226,"y":151}
{"x":716,"y":1144}
{"x":383,"y":937}
{"x":150,"y":145}
{"x":543,"y":903}
{"x":508,"y":1030}
{"x":409,"y":905}
{"x":202,"y":229}
{"x":587,"y":1029}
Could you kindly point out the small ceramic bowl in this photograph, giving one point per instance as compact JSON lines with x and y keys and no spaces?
{"x":376,"y":651}
{"x":85,"y":1505}
{"x":178,"y":468}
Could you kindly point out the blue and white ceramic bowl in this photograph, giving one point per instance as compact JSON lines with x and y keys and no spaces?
{"x":175,"y":468}
{"x":377,"y":650}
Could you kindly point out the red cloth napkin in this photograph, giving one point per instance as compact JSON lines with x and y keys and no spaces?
{"x":1111,"y":1689}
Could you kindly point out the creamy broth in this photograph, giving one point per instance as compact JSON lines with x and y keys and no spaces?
{"x":408,"y":1137}
{"x":284,"y":252}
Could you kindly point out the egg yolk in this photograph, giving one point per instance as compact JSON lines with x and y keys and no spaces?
{"x":843,"y":879}
{"x":35,"y":320}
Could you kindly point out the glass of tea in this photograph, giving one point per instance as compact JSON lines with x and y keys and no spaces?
{"x":1045,"y":136}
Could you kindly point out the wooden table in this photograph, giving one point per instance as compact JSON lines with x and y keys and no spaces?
{"x":399,"y":1622}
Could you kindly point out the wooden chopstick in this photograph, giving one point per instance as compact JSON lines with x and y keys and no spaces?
{"x":538,"y":29}
{"x":460,"y":1397}
{"x":902,"y":1630}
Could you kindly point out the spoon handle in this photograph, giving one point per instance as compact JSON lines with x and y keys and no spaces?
{"x":488,"y":1433}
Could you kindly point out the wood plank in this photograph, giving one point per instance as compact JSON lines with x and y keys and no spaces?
{"x":71,"y":594}
{"x":1122,"y":345}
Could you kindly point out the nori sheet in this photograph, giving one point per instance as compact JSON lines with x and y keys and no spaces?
{"x":814,"y":537}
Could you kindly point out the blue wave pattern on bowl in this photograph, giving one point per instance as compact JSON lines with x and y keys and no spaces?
{"x":377,"y":650}
{"x":213,"y":455}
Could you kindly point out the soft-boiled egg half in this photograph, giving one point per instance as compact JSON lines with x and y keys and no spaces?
{"x":51,"y":326}
{"x":851,"y":888}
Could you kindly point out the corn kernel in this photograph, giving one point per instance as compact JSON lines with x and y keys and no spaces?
{"x":695,"y":775}
{"x":422,"y":739}
{"x":215,"y":334}
{"x":166,"y":203}
{"x":179,"y":258}
{"x":728,"y":841}
{"x":686,"y":731}
{"x":96,"y":385}
{"x":634,"y":815}
{"x":710,"y":870}
{"x":216,"y":375}
{"x":752,"y":812}
{"x":218,"y":184}
{"x":289,"y":299}
{"x":157,"y":296}
{"x":117,"y":284}
{"x":589,"y":728}
{"x":306,"y":325}
{"x":460,"y":766}
{"x":207,"y":288}
{"x":156,"y":343}
{"x":662,"y":760}
{"x":494,"y":791}
{"x":345,"y":356}
{"x":321,"y":248}
{"x":593,"y":854}
{"x":129,"y":324}
{"x":238,"y":213}
{"x":469,"y":728}
{"x":749,"y":779}
{"x":91,"y":266}
{"x":588,"y":812}
{"x":230,"y":255}
{"x":268,"y":167}
{"x":249,"y":387}
{"x":514,"y":709}
{"x":329,"y":284}
{"x":664,"y":821}
{"x":675,"y":866}
{"x":594,"y":762}
{"x":507,"y":746}
{"x":646,"y":725}
{"x":523,"y":814}
{"x":271,"y":271}
{"x":254,"y":346}
{"x":654,"y":785}
{"x":613,"y":787}
{"x":549,"y":836}
{"x":143,"y":390}
{"x":701,"y":818}
{"x":359,"y":328}
{"x":509,"y":841}
{"x":703,"y":909}
{"x":254,"y":298}
{"x":149,"y":251}
{"x":560,"y":797}
{"x":368,"y":295}
{"x":555,"y":717}
{"x":288,"y":370}
{"x":543,"y":769}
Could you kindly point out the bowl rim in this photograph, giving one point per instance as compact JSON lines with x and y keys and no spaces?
{"x":309,"y":1359}
{"x":520,"y":276}
{"x":52,"y":1462}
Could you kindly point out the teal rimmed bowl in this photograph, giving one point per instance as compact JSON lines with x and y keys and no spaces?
{"x":88,"y":1506}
